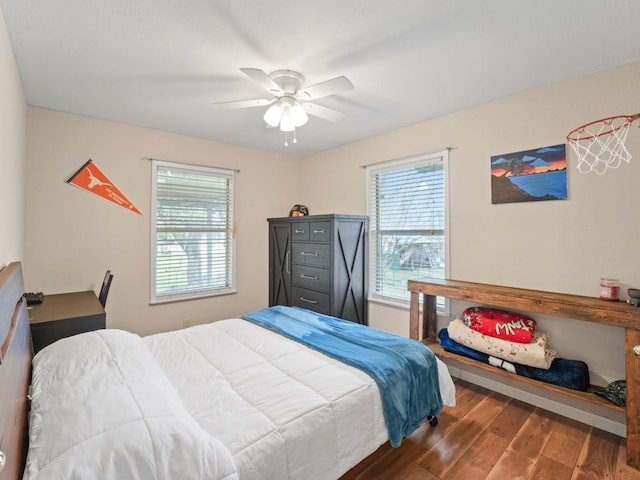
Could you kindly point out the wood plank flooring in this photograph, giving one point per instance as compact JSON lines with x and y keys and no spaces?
{"x":494,"y":437}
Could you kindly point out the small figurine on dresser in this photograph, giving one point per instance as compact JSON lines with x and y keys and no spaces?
{"x":299,"y":211}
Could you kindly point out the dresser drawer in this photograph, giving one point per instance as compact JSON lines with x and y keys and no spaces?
{"x":320,"y":231}
{"x":311,"y":277}
{"x":318,"y":302}
{"x":316,"y":254}
{"x":300,"y":231}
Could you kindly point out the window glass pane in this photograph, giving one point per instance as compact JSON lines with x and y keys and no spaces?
{"x":407,"y":208}
{"x":193,"y":231}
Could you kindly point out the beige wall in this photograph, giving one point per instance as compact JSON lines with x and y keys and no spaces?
{"x":564,"y":245}
{"x":72,"y":237}
{"x":13,"y":114}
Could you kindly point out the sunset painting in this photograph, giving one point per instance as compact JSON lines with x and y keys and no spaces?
{"x":530,"y":175}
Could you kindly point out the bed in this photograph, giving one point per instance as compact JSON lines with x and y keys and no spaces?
{"x":226,"y":400}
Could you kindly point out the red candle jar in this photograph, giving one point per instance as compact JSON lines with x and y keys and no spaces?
{"x":609,"y":289}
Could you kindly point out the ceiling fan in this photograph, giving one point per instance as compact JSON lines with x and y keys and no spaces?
{"x":290,"y":101}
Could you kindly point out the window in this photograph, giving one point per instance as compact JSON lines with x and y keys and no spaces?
{"x":408,"y":224}
{"x":192,"y":232}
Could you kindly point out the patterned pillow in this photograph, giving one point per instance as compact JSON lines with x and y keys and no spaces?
{"x":493,"y":322}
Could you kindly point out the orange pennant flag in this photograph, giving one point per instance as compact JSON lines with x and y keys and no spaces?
{"x":90,"y":178}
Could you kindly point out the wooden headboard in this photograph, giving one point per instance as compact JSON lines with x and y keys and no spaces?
{"x":16,"y":354}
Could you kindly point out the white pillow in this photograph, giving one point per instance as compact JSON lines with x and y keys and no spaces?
{"x":102,"y":408}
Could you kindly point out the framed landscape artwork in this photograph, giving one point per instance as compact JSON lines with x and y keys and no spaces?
{"x":530,"y":175}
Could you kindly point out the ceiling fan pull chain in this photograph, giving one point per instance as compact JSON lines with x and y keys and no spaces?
{"x":286,"y":136}
{"x":295,"y":140}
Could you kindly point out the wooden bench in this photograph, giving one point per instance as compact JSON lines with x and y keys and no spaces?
{"x":589,"y":309}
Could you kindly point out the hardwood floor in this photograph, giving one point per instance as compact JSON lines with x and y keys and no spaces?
{"x":491,"y":436}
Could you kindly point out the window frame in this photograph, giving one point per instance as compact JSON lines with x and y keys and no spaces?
{"x":401,"y":164}
{"x":155,"y":297}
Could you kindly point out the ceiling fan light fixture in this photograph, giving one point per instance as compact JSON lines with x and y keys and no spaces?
{"x":287,"y":123}
{"x":289,"y":103}
{"x":273,"y":114}
{"x":298,"y":115}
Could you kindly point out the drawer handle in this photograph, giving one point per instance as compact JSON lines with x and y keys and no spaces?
{"x":310,"y":277}
{"x":299,"y":231}
{"x":318,"y":231}
{"x":312,"y":254}
{"x":302,"y":299}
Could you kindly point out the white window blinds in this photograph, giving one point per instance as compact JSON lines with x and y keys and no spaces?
{"x":193,"y":231}
{"x":408,"y":218}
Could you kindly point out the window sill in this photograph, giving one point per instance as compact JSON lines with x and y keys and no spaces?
{"x":185,"y":297}
{"x":395,"y":303}
{"x":404,"y":305}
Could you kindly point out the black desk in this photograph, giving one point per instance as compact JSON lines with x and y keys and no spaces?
{"x":63,"y":315}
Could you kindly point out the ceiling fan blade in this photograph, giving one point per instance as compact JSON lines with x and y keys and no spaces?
{"x":322,"y":112}
{"x":262,"y":79}
{"x":326,"y":88}
{"x":258,"y":102}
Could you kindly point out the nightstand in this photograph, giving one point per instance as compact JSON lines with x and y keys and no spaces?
{"x":63,"y":315}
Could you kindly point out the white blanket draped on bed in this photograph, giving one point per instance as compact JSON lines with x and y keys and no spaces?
{"x":257,"y":402}
{"x":103,"y":409}
{"x":298,"y":413}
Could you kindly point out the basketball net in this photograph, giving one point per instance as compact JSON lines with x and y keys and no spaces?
{"x":600,"y":145}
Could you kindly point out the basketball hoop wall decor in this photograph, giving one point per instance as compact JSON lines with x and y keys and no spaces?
{"x":600,"y":145}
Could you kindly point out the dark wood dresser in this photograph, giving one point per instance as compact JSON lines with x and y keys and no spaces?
{"x":319,"y":262}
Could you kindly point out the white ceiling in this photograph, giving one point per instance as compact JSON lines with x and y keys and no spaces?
{"x":164,"y":63}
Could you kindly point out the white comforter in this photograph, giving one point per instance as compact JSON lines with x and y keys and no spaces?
{"x":220,"y":401}
{"x":103,"y":409}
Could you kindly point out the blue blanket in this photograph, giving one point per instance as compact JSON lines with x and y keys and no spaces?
{"x":404,"y":369}
{"x":572,"y":374}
